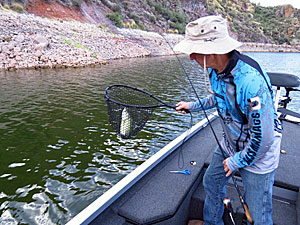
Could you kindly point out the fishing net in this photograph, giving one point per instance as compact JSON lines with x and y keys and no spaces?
{"x":129,"y":108}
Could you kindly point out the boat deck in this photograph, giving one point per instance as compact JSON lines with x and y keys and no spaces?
{"x":163,"y":198}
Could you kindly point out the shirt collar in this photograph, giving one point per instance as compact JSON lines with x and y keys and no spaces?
{"x":230,"y":65}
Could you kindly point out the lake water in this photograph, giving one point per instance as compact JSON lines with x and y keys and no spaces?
{"x":58,"y":152}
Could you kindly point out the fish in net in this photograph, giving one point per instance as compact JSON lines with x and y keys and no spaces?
{"x":129,"y":108}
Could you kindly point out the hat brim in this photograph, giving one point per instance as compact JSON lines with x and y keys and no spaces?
{"x":218,"y":46}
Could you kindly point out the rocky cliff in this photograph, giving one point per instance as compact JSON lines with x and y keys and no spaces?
{"x":250,"y":22}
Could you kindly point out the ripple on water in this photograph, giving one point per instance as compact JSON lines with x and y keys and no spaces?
{"x":13,"y":165}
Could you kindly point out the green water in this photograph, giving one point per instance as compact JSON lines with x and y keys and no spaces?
{"x":58,"y":152}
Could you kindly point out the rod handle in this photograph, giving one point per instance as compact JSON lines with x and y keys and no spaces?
{"x":249,"y":218}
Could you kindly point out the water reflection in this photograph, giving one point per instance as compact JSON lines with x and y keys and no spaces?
{"x":58,"y":152}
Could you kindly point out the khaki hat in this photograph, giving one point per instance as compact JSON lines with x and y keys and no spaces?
{"x":207,"y":35}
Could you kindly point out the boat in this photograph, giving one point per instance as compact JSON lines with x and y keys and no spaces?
{"x":152,"y":195}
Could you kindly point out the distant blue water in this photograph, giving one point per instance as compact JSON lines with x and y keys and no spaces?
{"x":58,"y":152}
{"x":284,"y":63}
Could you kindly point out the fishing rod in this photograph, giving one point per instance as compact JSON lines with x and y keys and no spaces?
{"x":228,"y":206}
{"x":244,"y":204}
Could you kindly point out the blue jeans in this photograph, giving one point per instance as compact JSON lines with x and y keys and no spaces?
{"x":258,"y":193}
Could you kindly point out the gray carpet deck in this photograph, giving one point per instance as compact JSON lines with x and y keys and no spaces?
{"x":288,"y":172}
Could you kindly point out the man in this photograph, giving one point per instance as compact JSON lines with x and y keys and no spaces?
{"x":241,"y":92}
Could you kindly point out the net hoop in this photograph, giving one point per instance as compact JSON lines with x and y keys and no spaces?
{"x":107,"y":97}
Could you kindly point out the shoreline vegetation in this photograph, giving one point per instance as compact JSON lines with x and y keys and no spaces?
{"x":28,"y":41}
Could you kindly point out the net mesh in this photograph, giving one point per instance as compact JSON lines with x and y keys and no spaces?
{"x":129,"y":109}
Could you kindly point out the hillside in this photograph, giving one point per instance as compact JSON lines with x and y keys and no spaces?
{"x":251,"y":23}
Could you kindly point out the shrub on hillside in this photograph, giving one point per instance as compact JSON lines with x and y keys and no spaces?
{"x":113,"y":6}
{"x":180,"y":27}
{"x":158,"y":8}
{"x":17,"y":7}
{"x":178,"y":17}
{"x":77,"y":3}
{"x":152,"y":19}
{"x":134,"y":17}
{"x":116,"y":18}
{"x":142,"y":26}
{"x":6,"y":6}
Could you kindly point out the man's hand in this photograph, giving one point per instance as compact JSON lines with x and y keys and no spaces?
{"x":226,"y":169}
{"x":181,"y":106}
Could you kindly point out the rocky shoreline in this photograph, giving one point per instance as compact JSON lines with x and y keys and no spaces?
{"x":27,"y":41}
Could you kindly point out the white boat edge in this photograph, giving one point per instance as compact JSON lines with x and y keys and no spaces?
{"x":89,"y":213}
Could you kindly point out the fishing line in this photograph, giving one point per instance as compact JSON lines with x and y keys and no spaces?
{"x":245,"y":206}
{"x":183,"y":141}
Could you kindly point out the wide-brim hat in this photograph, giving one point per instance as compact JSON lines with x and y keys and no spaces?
{"x":207,"y":35}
